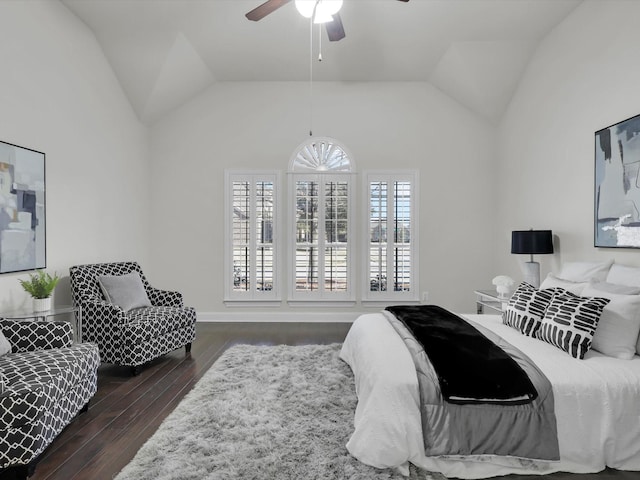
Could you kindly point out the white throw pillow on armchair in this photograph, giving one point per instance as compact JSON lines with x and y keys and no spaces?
{"x":126,"y":291}
{"x":5,"y":346}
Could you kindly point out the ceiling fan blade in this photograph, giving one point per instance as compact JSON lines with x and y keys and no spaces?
{"x":405,"y":1}
{"x":265,"y":9}
{"x":335,"y":29}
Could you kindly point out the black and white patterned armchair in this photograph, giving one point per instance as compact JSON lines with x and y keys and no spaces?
{"x":135,"y":337}
{"x":45,"y":381}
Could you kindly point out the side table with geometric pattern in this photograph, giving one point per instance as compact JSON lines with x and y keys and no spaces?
{"x":74,"y":311}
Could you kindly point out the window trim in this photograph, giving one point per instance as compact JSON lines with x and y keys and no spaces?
{"x":284,"y":222}
{"x":253,"y":298}
{"x":321,"y":297}
{"x":369,"y":298}
{"x":314,"y":151}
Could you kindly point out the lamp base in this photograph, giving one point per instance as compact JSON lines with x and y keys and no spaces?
{"x":531,"y":272}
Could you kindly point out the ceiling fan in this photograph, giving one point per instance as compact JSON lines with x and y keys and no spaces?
{"x":335,"y":29}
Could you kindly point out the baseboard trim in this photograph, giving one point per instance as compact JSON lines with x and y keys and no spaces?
{"x":285,"y":317}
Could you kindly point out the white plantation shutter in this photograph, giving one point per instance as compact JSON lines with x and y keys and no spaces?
{"x":390,"y":261}
{"x":251,"y":208}
{"x":321,"y":199}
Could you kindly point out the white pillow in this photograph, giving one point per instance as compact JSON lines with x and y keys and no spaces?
{"x":551,"y":281}
{"x":585,"y":271}
{"x":619,"y":325}
{"x":5,"y":346}
{"x":624,"y":275}
{"x":615,"y":288}
{"x":127,"y":291}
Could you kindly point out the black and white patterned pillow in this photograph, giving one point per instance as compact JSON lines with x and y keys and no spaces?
{"x":526,"y":308}
{"x":570,"y":322}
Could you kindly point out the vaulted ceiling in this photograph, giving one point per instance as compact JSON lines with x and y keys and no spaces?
{"x":166,"y":52}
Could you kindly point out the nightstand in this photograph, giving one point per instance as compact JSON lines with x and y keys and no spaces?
{"x":490,"y":299}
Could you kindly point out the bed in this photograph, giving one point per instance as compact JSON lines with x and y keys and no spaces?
{"x":597,"y":406}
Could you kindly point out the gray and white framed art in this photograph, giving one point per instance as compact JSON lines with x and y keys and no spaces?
{"x":617,"y":185}
{"x":22,"y":209}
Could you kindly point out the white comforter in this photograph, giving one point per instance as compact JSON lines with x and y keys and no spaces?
{"x":597,"y":406}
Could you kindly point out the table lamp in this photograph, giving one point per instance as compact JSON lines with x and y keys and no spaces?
{"x":532,"y":242}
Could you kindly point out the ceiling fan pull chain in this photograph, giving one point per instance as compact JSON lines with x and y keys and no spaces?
{"x":320,"y":42}
{"x":311,"y":77}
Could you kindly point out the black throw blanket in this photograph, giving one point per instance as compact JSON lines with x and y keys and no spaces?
{"x":470,"y":367}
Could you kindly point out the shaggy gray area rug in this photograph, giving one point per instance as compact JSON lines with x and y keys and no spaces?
{"x":262,"y":412}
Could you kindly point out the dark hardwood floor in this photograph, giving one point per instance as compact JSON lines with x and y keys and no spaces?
{"x":127,"y":410}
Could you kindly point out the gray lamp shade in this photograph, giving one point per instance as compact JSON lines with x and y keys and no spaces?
{"x":531,"y":242}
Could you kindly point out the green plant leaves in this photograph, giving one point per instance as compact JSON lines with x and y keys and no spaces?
{"x":40,"y":284}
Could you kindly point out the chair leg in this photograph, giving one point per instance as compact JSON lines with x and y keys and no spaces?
{"x":85,"y":409}
{"x":187,"y":348}
{"x":135,"y":370}
{"x":19,"y":472}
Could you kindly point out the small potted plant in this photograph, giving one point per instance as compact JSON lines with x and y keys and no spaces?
{"x":40,"y":286}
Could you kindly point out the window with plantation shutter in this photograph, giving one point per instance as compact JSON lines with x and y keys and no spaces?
{"x":322,"y":264}
{"x":390,"y":263}
{"x":251,"y":231}
{"x":321,"y":199}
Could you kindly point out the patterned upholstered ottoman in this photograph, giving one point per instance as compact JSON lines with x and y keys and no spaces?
{"x":45,"y":382}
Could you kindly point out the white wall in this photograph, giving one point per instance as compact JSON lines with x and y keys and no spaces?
{"x":384,"y":125}
{"x":585,"y":76}
{"x":59,"y":96}
{"x":107,"y":201}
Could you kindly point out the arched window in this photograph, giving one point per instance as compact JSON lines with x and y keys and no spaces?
{"x":321,"y":201}
{"x":322,"y":261}
{"x":321,"y":154}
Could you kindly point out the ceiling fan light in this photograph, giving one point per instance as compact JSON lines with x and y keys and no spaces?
{"x":322,"y":17}
{"x":324,"y":11}
{"x":330,"y":7}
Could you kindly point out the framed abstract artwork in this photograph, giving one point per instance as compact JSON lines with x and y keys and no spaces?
{"x":22,"y":209}
{"x":617,"y":185}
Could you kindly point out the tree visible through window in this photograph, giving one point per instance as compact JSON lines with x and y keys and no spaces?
{"x":315,"y":233}
{"x":320,"y":232}
{"x":321,"y":191}
{"x":252,"y":271}
{"x":391,"y":260}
